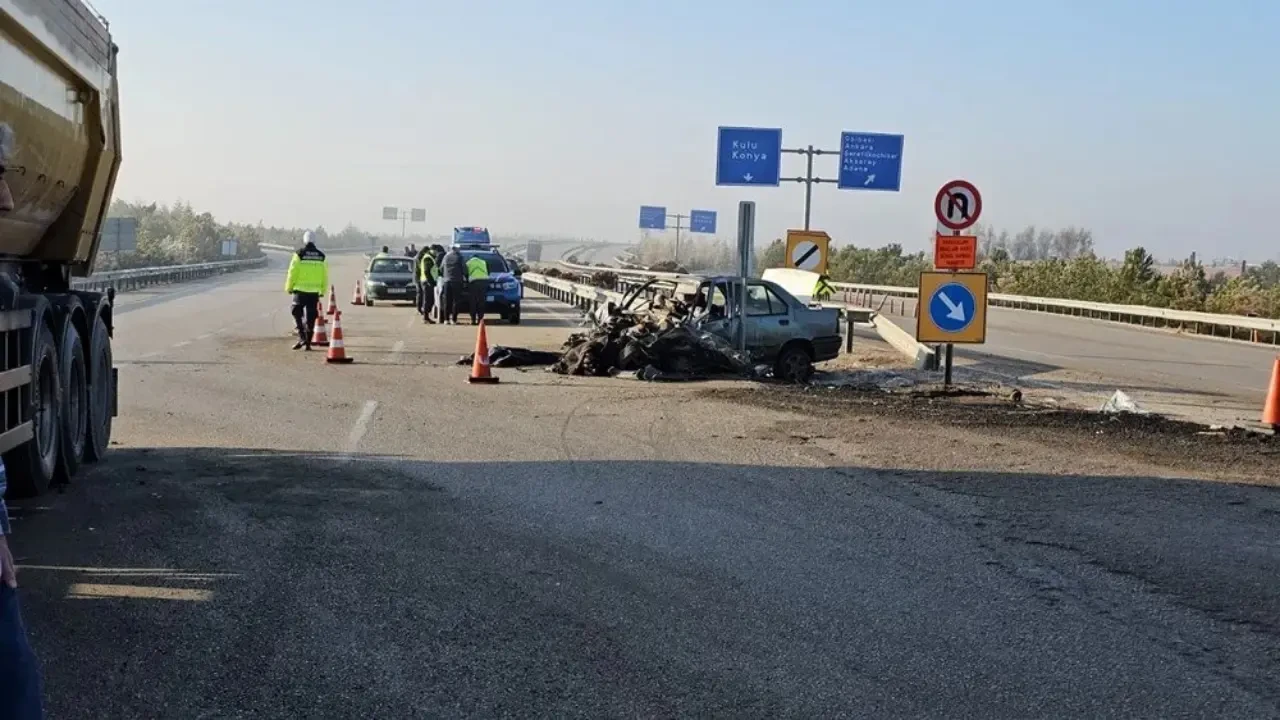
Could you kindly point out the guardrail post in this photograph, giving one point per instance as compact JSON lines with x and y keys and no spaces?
{"x":848,"y":331}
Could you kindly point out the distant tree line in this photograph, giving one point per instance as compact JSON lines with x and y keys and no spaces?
{"x":1062,"y":264}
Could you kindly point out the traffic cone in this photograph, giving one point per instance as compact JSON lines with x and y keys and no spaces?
{"x":358,"y":297}
{"x":333,"y":301}
{"x":319,"y":337}
{"x":1271,"y":411}
{"x":337,"y":351}
{"x":480,"y":360}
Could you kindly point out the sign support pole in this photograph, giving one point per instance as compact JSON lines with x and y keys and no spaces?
{"x":678,"y":218}
{"x":809,"y":180}
{"x":746,"y":239}
{"x":946,"y":375}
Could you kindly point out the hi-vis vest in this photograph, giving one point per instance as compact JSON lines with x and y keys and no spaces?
{"x":427,"y":269}
{"x":308,"y":272}
{"x":477,"y":269}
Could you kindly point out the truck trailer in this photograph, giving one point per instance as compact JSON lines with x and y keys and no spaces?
{"x":59,"y":156}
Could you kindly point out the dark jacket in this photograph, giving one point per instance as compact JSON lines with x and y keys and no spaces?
{"x":453,"y":268}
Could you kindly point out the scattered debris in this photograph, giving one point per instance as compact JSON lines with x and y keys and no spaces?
{"x":508,"y":357}
{"x":1120,"y":402}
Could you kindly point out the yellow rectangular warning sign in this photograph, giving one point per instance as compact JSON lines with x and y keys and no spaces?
{"x":952,"y":308}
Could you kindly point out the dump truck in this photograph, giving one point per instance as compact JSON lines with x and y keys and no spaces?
{"x":59,"y":156}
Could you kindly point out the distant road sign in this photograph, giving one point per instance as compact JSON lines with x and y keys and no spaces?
{"x":958,"y":205}
{"x":870,"y":161}
{"x":954,"y":308}
{"x":808,"y":250}
{"x":749,"y":156}
{"x":119,"y":234}
{"x":702,"y":221}
{"x":955,"y":252}
{"x":653,"y":218}
{"x":418,"y":215}
{"x":390,"y":213}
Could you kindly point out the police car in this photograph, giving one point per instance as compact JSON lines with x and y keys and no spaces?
{"x":503,"y":296}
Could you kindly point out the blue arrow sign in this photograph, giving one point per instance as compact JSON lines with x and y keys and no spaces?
{"x":951,"y":307}
{"x":653,"y":218}
{"x":702,"y":221}
{"x":870,"y":161}
{"x":749,"y":156}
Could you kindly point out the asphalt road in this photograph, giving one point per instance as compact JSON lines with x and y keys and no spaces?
{"x":1194,"y":376}
{"x":277,"y":537}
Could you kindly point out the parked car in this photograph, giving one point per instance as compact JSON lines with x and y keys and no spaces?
{"x":391,"y":279}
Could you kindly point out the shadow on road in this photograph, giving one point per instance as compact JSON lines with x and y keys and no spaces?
{"x":367,"y":586}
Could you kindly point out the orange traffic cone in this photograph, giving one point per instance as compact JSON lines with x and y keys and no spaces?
{"x":319,"y":337}
{"x":1271,"y":411}
{"x":358,"y":297}
{"x":337,"y":350}
{"x":333,"y":301}
{"x":480,"y":361}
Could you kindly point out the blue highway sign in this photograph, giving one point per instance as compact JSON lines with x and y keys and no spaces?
{"x":749,"y":156}
{"x":653,"y":218}
{"x":870,"y":161}
{"x":702,"y":221}
{"x":952,"y":307}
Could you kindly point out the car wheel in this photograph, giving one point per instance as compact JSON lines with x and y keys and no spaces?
{"x":514,"y":316}
{"x":794,"y":365}
{"x":368,"y":302}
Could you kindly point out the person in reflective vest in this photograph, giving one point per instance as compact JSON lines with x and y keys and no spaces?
{"x":427,"y":275}
{"x":477,"y":286}
{"x":307,"y":279}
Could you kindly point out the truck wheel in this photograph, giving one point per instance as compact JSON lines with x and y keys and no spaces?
{"x":101,"y":387}
{"x":794,"y":364}
{"x":75,"y":403}
{"x":30,"y":467}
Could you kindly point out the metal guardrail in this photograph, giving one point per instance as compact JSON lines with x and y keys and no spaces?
{"x":1240,"y":327}
{"x":123,"y":280}
{"x":584,"y":297}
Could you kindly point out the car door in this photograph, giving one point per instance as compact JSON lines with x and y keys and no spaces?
{"x":714,"y":310}
{"x":769,"y":323}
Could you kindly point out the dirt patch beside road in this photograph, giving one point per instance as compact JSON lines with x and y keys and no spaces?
{"x":984,"y":428}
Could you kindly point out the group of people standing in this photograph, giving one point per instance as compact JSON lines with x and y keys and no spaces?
{"x":453,"y":274}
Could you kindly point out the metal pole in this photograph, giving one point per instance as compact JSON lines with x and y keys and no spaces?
{"x":808,"y":186}
{"x":946,"y":378}
{"x":746,"y":239}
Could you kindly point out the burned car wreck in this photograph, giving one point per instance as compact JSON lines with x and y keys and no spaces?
{"x":658,"y":333}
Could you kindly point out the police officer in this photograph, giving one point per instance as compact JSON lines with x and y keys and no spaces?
{"x":307,"y":279}
{"x":19,"y":673}
{"x":477,"y":286}
{"x":426,"y":273}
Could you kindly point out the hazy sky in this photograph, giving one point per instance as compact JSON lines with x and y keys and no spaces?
{"x":1152,"y":122}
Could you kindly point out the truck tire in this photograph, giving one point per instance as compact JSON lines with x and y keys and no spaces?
{"x":31,"y":467}
{"x":101,"y":391}
{"x":74,"y":423}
